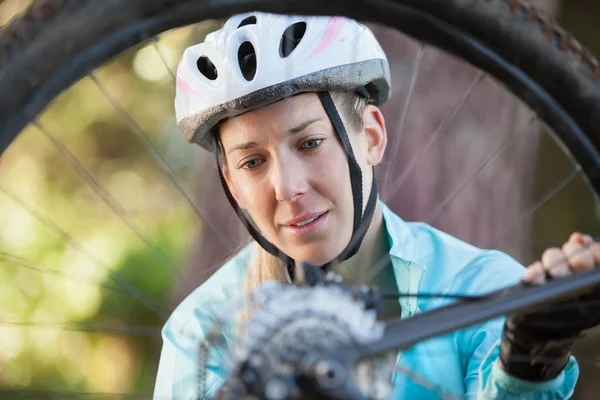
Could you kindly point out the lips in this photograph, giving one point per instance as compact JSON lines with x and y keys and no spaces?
{"x":303,"y":220}
{"x":305,"y":225}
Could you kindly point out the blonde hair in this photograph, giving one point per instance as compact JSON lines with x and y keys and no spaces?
{"x":265,"y":267}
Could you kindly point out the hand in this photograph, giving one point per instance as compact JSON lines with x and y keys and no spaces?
{"x":536,"y":344}
{"x":579,"y":254}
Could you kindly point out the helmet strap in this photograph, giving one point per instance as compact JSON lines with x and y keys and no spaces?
{"x":361,"y":221}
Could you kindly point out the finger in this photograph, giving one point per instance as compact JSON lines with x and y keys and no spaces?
{"x":555,"y":264}
{"x":535,"y":273}
{"x":588,"y":240}
{"x":595,"y":250}
{"x":578,"y":257}
{"x":577,"y":238}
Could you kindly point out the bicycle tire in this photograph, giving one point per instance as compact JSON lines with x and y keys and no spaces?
{"x":58,"y":32}
{"x":563,"y":78}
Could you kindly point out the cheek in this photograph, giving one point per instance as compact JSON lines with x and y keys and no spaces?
{"x":333,"y":177}
{"x":254,"y":195}
{"x":239,"y":184}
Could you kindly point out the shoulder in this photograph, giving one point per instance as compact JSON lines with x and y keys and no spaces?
{"x":210,"y":306}
{"x":448,"y":263}
{"x":208,"y":303}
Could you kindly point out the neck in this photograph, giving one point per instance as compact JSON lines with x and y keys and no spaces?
{"x":372,"y":257}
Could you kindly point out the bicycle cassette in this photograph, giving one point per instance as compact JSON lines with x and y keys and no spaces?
{"x":295,"y":322}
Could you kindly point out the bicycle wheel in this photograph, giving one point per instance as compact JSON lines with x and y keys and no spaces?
{"x":536,"y":61}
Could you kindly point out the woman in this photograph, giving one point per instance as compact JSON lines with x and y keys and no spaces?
{"x":289,"y":105}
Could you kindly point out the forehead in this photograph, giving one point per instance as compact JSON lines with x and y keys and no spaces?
{"x":274,"y":118}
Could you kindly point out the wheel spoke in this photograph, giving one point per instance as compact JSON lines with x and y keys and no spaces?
{"x":160,"y":161}
{"x":81,"y":327}
{"x":50,"y":395}
{"x":397,"y":183}
{"x":156,"y":45}
{"x":426,"y":383}
{"x":545,"y":199}
{"x":115,"y":276}
{"x":509,"y":141}
{"x":400,"y":128}
{"x":21,"y":262}
{"x":109,"y":200}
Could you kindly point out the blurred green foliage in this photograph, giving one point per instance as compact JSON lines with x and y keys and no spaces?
{"x":88,"y":202}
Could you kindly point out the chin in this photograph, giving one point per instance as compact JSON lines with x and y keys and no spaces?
{"x":317,"y":256}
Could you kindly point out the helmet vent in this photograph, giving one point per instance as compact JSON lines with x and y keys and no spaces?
{"x":247,"y":60}
{"x":207,"y":68}
{"x":248,"y":21}
{"x":291,"y":38}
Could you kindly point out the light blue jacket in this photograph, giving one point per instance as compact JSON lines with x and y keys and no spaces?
{"x":424,"y":259}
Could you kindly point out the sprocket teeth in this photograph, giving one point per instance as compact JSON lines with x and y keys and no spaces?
{"x":293,"y":321}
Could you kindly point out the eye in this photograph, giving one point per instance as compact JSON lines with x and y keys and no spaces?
{"x":251,"y":164}
{"x":311,"y":144}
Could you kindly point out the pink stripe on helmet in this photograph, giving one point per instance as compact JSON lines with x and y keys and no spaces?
{"x":183,"y":83}
{"x":332,"y":31}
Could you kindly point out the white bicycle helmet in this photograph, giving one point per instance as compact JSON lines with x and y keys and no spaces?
{"x":257,"y":58}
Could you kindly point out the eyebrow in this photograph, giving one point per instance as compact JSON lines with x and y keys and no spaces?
{"x":303,"y":126}
{"x":298,"y":128}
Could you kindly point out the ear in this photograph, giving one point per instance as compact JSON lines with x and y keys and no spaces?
{"x":376,"y":134}
{"x":227,"y":177}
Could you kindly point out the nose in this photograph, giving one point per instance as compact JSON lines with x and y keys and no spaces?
{"x":289,"y":180}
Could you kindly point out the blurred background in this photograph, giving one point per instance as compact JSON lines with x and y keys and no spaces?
{"x":108,"y":218}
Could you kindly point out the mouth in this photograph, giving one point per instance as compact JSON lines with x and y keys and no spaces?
{"x":306,"y":223}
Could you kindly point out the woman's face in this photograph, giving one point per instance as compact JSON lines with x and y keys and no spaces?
{"x":287,"y":168}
